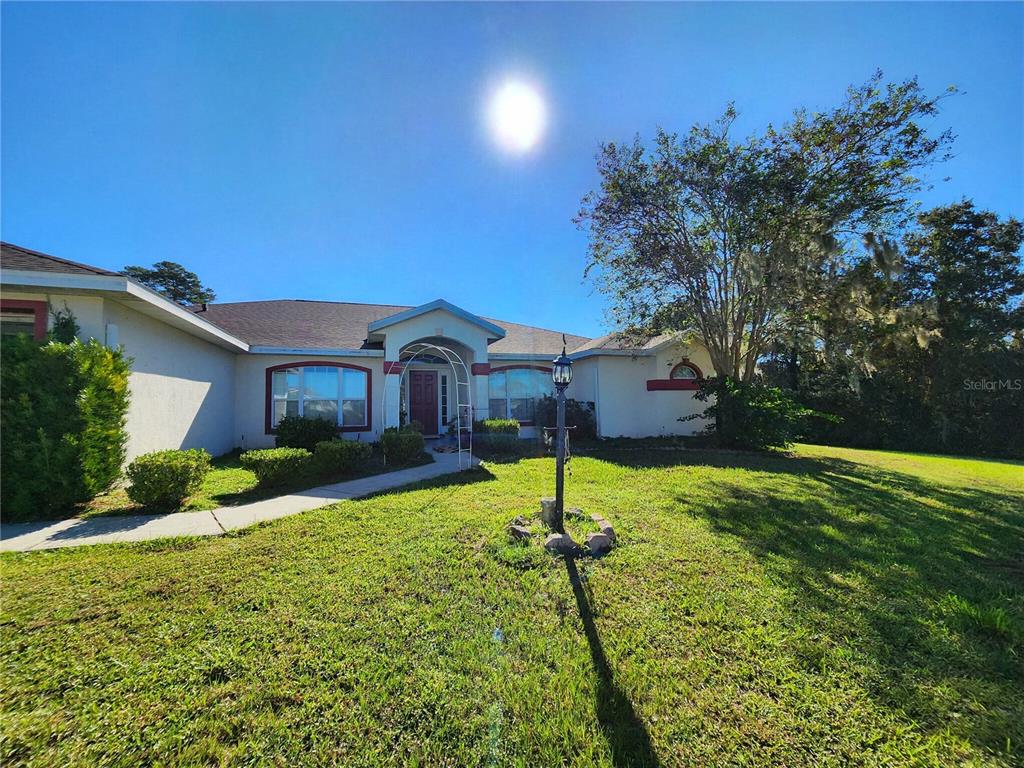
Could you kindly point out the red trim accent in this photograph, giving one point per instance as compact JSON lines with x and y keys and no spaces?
{"x":390,"y":366}
{"x":688,"y":364}
{"x":660,"y":385}
{"x":268,"y":404}
{"x":480,"y":369}
{"x":39,"y":309}
{"x":543,"y":369}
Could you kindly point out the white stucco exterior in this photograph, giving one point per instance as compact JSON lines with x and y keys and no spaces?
{"x":194,"y":385}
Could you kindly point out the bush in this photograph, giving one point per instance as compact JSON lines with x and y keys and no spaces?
{"x":751,"y":415}
{"x":164,"y":479}
{"x":339,"y":456}
{"x":273,"y":466}
{"x":62,"y":417}
{"x":300,"y":432}
{"x":497,"y":427}
{"x":578,"y":414}
{"x":401,"y":446}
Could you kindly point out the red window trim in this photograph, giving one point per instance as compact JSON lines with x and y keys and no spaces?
{"x":541,"y":368}
{"x":268,"y":412}
{"x":39,"y":309}
{"x":670,"y":384}
{"x":544,"y":369}
{"x":480,"y":369}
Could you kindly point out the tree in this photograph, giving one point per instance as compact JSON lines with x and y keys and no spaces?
{"x":173,"y":281}
{"x":723,"y":236}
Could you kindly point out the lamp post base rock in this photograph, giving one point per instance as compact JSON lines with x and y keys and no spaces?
{"x":562,"y":543}
{"x":519,"y":533}
{"x":547,"y":511}
{"x":599,"y":543}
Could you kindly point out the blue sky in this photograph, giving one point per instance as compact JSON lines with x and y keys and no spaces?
{"x":339,"y":152}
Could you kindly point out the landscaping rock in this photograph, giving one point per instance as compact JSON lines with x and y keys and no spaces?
{"x":562,"y":543}
{"x":604,"y":525}
{"x":574,"y":512}
{"x":520,"y":520}
{"x":599,"y":543}
{"x":519,"y":532}
{"x":547,"y":511}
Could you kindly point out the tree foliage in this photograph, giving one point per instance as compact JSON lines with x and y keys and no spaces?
{"x":722,"y":235}
{"x":920,"y":347}
{"x":62,"y":414}
{"x":173,"y":281}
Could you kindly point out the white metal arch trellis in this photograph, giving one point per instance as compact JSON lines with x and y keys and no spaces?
{"x":463,"y":386}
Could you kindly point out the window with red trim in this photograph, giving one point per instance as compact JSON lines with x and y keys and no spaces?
{"x":513,"y":391}
{"x":20,"y":317}
{"x":685,"y":372}
{"x":334,"y":392}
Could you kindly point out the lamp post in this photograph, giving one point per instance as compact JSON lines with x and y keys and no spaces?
{"x":561,"y":375}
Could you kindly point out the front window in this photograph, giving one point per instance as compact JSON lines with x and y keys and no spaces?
{"x":337,"y":395}
{"x":27,"y":318}
{"x":513,"y":393}
{"x":18,"y":321}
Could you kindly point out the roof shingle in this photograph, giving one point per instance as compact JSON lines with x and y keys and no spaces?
{"x":300,"y":324}
{"x":24,"y":259}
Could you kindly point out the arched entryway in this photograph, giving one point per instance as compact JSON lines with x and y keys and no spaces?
{"x":435,"y":400}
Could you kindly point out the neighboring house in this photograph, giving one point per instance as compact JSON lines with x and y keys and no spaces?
{"x":220,"y":376}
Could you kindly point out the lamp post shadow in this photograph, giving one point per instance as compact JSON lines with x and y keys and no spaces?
{"x":627,"y":736}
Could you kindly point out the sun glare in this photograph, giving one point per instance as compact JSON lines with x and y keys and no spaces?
{"x":517,"y":116}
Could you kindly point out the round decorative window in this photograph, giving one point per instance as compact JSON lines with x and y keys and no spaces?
{"x":685,"y":372}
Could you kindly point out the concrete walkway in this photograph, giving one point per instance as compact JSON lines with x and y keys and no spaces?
{"x":21,"y":537}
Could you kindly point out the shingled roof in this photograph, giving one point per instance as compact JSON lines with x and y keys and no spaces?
{"x":23,"y":259}
{"x":299,"y":324}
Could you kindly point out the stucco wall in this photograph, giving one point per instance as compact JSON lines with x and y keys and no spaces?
{"x":250,"y":395}
{"x":627,"y":409}
{"x":88,"y":310}
{"x":182,"y":388}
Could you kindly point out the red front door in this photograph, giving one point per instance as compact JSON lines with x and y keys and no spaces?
{"x":423,"y":400}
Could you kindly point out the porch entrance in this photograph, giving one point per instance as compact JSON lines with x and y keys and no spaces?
{"x":423,"y":400}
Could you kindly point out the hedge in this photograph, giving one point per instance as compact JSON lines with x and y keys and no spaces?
{"x":303,"y":432}
{"x":339,"y":456}
{"x":164,"y":479}
{"x":62,"y":424}
{"x":401,"y":446}
{"x":497,"y":427}
{"x":273,"y":466}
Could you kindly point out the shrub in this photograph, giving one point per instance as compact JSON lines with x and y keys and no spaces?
{"x":339,"y":456}
{"x":62,"y":416}
{"x":578,"y":414}
{"x":164,"y":479}
{"x":751,"y":415}
{"x":401,"y":446}
{"x":497,"y":427}
{"x":273,"y":466}
{"x":301,"y":432}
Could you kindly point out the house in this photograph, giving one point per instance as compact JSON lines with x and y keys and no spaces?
{"x":220,"y":376}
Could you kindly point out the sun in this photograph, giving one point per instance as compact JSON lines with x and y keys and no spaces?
{"x":517,"y":116}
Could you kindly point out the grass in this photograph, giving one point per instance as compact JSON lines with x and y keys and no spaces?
{"x":831,"y":607}
{"x":229,"y":484}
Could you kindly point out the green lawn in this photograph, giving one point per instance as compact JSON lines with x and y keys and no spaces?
{"x":833,"y":607}
{"x":228,"y":484}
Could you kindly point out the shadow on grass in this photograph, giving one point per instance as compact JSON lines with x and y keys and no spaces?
{"x":872,"y":558}
{"x":627,"y":736}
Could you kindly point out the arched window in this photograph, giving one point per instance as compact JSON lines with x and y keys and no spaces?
{"x":514,"y":390}
{"x":685,"y":371}
{"x":334,"y":392}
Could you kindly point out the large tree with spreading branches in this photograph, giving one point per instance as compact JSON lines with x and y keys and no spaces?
{"x":727,"y":236}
